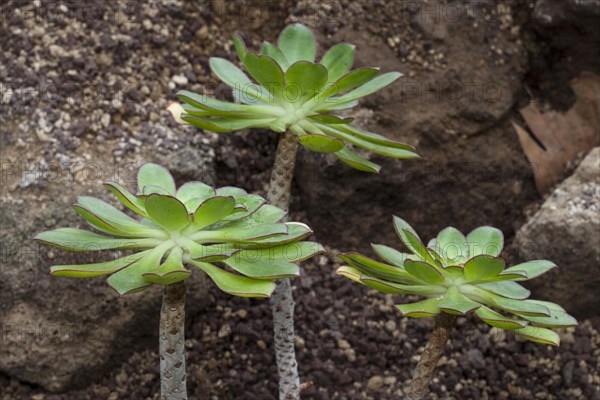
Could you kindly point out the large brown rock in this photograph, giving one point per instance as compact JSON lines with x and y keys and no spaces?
{"x":566,"y":230}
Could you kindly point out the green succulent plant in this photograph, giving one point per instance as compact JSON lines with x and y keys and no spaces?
{"x":293,"y":93}
{"x":194,"y":225}
{"x":461,"y":275}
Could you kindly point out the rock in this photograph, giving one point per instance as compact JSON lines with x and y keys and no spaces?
{"x":375,"y":382}
{"x":476,"y":359}
{"x":180,"y":80}
{"x":63,"y":333}
{"x":566,"y":231}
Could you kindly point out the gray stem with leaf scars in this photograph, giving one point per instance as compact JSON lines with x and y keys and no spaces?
{"x":172,"y":343}
{"x":282,"y":300}
{"x":419,"y":385}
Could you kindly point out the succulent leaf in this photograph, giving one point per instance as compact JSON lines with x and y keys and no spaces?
{"x":338,"y":60}
{"x":298,"y":43}
{"x":485,"y":240}
{"x":483,"y":267}
{"x":539,"y":335}
{"x":424,"y":271}
{"x":533,"y":269}
{"x":420,"y":309}
{"x":155,"y":175}
{"x":236,"y":285}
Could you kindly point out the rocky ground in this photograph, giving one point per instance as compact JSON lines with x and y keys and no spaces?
{"x":84,"y":87}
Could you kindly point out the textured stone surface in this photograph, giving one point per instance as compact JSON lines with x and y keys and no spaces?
{"x":566,"y":230}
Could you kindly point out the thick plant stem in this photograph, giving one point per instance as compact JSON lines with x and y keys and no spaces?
{"x":282,"y":300}
{"x":418,"y":387}
{"x":172,"y":343}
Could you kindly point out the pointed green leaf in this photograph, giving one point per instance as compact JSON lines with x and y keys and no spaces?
{"x":397,"y":288}
{"x":539,"y":335}
{"x":401,"y":227}
{"x":231,"y":191}
{"x":347,"y":82}
{"x":267,"y":73}
{"x":193,"y":190}
{"x":245,"y":234}
{"x":215,"y":107}
{"x":557,"y":319}
{"x":521,"y":307}
{"x":154,"y":189}
{"x":498,"y":320}
{"x":167,"y":211}
{"x":550,"y":306}
{"x":338,"y":60}
{"x":169,"y":272}
{"x":357,"y":162}
{"x":423,"y":271}
{"x":303,"y":81}
{"x":292,"y":252}
{"x":269,"y":49}
{"x":156,"y":175}
{"x":122,"y":222}
{"x":485,"y":240}
{"x":454,"y":302}
{"x":321,"y":143}
{"x":297,"y":42}
{"x":80,"y":240}
{"x":375,"y":138}
{"x":483,"y":267}
{"x":235,"y":284}
{"x":227,"y":72}
{"x":421,"y":309}
{"x":370,"y":87}
{"x":92,"y":270}
{"x":97,"y":222}
{"x":350,"y":273}
{"x":130,"y":280}
{"x":130,"y":201}
{"x":452,"y":245}
{"x":533,"y":268}
{"x":376,"y":269}
{"x":390,"y":255}
{"x":240,"y":47}
{"x":210,"y":253}
{"x":296,"y":231}
{"x":225,"y":125}
{"x":263,"y":269}
{"x":329,"y":119}
{"x":509,"y":289}
{"x":213,"y":210}
{"x":345,"y":132}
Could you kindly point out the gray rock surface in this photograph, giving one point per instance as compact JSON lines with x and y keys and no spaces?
{"x":566,"y":230}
